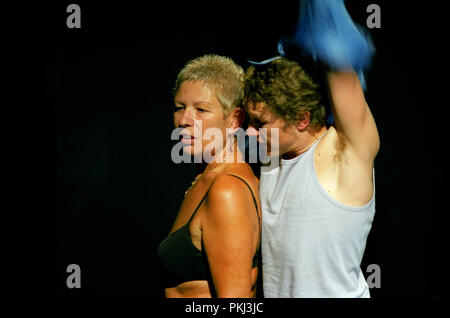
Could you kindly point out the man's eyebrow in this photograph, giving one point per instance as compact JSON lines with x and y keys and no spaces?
{"x":256,"y":107}
{"x":259,"y":114}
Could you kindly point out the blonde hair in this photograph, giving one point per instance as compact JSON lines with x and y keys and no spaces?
{"x":219,"y":73}
{"x":287,"y":90}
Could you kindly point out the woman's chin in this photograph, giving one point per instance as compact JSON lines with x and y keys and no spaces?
{"x":196,"y":154}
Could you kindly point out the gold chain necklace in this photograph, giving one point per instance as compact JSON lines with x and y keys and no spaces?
{"x":225,"y":160}
{"x":316,"y":139}
{"x":192,"y":184}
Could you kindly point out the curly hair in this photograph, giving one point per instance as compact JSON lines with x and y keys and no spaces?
{"x":286,"y":89}
{"x":221,"y":74}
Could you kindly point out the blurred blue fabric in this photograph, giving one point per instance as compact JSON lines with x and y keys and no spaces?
{"x":326,"y":32}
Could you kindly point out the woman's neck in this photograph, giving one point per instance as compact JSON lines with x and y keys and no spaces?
{"x":229,"y":154}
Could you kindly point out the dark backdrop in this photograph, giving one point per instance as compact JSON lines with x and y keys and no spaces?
{"x":90,"y":177}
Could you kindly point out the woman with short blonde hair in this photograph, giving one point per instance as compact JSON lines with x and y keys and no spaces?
{"x":213,"y":247}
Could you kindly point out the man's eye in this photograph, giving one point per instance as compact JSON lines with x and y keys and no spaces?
{"x":201,"y":110}
{"x":178,"y":108}
{"x":258,"y":123}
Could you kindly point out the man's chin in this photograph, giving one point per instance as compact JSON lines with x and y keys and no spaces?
{"x":271,"y":152}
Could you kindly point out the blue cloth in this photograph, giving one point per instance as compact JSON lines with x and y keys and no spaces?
{"x":326,"y":32}
{"x":327,"y":35}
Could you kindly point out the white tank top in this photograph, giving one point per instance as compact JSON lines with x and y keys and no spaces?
{"x":312,"y":245}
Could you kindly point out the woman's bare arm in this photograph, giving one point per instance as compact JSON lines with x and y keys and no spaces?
{"x":228,"y":236}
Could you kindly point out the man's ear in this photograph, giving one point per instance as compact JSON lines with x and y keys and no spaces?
{"x":303,"y":123}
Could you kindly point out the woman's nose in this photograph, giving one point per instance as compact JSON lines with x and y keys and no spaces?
{"x":186,"y":118}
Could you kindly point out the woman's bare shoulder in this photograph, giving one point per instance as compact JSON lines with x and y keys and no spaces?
{"x":225,"y":188}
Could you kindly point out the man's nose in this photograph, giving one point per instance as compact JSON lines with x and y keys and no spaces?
{"x":252,"y":131}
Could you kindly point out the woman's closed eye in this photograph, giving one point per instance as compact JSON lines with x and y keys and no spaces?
{"x":178,"y":107}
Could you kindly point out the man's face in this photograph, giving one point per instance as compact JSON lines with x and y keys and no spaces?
{"x":262,"y":117}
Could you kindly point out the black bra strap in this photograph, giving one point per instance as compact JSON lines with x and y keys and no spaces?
{"x":204,"y":197}
{"x":253,"y":196}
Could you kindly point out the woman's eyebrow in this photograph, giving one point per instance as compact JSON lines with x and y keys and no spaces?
{"x":202,"y":103}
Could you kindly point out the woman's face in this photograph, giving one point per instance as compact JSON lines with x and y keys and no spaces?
{"x":197,"y":105}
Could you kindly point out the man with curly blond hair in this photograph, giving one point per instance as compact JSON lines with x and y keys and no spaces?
{"x":318,"y":203}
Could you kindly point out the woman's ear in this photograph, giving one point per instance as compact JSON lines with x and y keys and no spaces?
{"x":237,"y":118}
{"x":303,"y":123}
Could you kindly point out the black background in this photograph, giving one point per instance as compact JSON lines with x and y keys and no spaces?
{"x":90,"y":177}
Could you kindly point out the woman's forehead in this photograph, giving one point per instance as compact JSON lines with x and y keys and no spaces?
{"x":197,"y":92}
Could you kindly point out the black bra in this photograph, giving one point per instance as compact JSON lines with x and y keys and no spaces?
{"x":180,"y":261}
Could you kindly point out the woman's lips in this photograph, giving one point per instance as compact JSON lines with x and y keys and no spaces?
{"x":187,"y":139}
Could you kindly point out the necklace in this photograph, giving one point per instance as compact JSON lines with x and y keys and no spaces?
{"x":315,"y":139}
{"x":224,"y":159}
{"x":299,"y":152}
{"x":192,"y":184}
